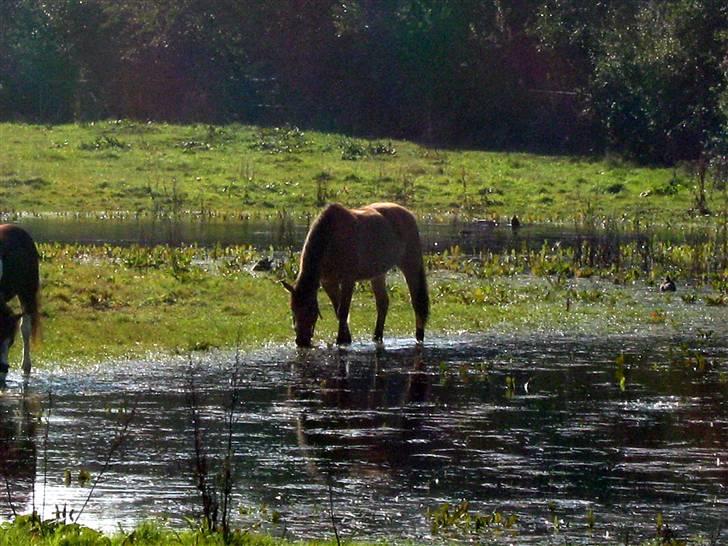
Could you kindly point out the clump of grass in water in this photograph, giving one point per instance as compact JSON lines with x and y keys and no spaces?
{"x":453,"y":520}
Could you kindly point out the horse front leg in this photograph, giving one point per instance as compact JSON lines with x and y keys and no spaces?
{"x":379,"y":287}
{"x":333,"y":291}
{"x":26,"y":329}
{"x":347,"y":291}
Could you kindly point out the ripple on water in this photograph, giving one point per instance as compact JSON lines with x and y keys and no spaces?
{"x":395,"y":431}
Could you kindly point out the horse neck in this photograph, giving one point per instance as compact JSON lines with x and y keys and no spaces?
{"x":309,"y":276}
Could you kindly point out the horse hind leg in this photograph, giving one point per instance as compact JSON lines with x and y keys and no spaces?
{"x":26,"y":329}
{"x":379,"y":287}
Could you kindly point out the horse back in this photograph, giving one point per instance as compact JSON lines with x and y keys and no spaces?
{"x":368,"y":241}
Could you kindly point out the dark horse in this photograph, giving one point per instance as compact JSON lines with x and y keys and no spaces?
{"x":18,"y":277}
{"x":348,"y":245}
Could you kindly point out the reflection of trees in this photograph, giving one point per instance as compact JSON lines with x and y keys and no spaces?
{"x":354,"y":412}
{"x":17,"y":452}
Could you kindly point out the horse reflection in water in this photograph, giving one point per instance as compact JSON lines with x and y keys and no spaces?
{"x":17,"y":452}
{"x":361,"y":419}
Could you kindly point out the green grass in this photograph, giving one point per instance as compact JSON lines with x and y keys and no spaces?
{"x":104,"y":302}
{"x":26,"y":531}
{"x":236,"y":170}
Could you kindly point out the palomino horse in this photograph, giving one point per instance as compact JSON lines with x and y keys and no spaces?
{"x":18,"y":277}
{"x":348,"y":245}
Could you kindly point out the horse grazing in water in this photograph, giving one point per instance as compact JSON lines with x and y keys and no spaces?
{"x":348,"y":245}
{"x":18,"y":277}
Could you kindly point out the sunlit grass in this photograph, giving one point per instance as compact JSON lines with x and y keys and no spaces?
{"x":104,"y":302}
{"x":241,"y":170}
{"x":497,"y":529}
{"x":26,"y":531}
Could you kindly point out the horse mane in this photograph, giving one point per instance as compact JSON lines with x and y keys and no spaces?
{"x":317,"y":240}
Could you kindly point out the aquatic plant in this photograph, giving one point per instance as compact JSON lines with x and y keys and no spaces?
{"x":214,"y":476}
{"x":458,"y":519}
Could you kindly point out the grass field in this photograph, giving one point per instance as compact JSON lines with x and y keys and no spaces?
{"x":231,"y":171}
{"x":107,"y":302}
{"x":103,"y":302}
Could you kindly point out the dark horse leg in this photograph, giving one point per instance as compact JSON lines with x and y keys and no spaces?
{"x":333,"y":290}
{"x":379,"y":287}
{"x":347,"y":290}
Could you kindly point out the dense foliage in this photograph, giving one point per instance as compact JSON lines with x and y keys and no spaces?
{"x":643,"y":77}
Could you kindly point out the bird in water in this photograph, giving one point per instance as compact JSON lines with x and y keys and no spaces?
{"x":668,"y":285}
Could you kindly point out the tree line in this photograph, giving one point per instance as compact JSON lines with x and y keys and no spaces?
{"x":643,"y":78}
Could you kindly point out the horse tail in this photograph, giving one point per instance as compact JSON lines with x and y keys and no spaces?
{"x":421,"y":299}
{"x":34,"y":312}
{"x":418,"y":292}
{"x":30,"y":300}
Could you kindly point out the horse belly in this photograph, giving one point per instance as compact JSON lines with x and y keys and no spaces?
{"x":377,"y":254}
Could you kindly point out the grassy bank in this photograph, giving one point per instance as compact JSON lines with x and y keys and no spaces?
{"x":25,"y":531}
{"x":102,"y":302}
{"x":239,"y":170}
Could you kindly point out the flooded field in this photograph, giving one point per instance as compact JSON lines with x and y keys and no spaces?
{"x":547,"y":428}
{"x":285,"y":233}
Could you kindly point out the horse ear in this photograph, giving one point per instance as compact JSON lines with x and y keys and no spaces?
{"x":287,"y":286}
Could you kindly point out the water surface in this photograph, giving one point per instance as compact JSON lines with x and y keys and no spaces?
{"x":285,"y":233}
{"x":534,"y":426}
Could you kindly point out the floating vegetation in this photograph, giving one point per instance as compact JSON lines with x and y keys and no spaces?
{"x":648,"y":260}
{"x":448,"y":519}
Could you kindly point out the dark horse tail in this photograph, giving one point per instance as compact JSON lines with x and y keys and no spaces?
{"x":421,"y":301}
{"x":33,"y":310}
{"x":419,"y":293}
{"x":30,"y":300}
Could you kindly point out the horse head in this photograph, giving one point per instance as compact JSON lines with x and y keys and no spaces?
{"x":305,"y":311}
{"x":8,"y":328}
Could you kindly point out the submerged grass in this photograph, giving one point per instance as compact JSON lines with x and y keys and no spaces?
{"x":234,"y":170}
{"x":104,"y":302}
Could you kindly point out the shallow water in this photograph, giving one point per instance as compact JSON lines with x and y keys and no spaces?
{"x":285,"y":233}
{"x":395,"y":431}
